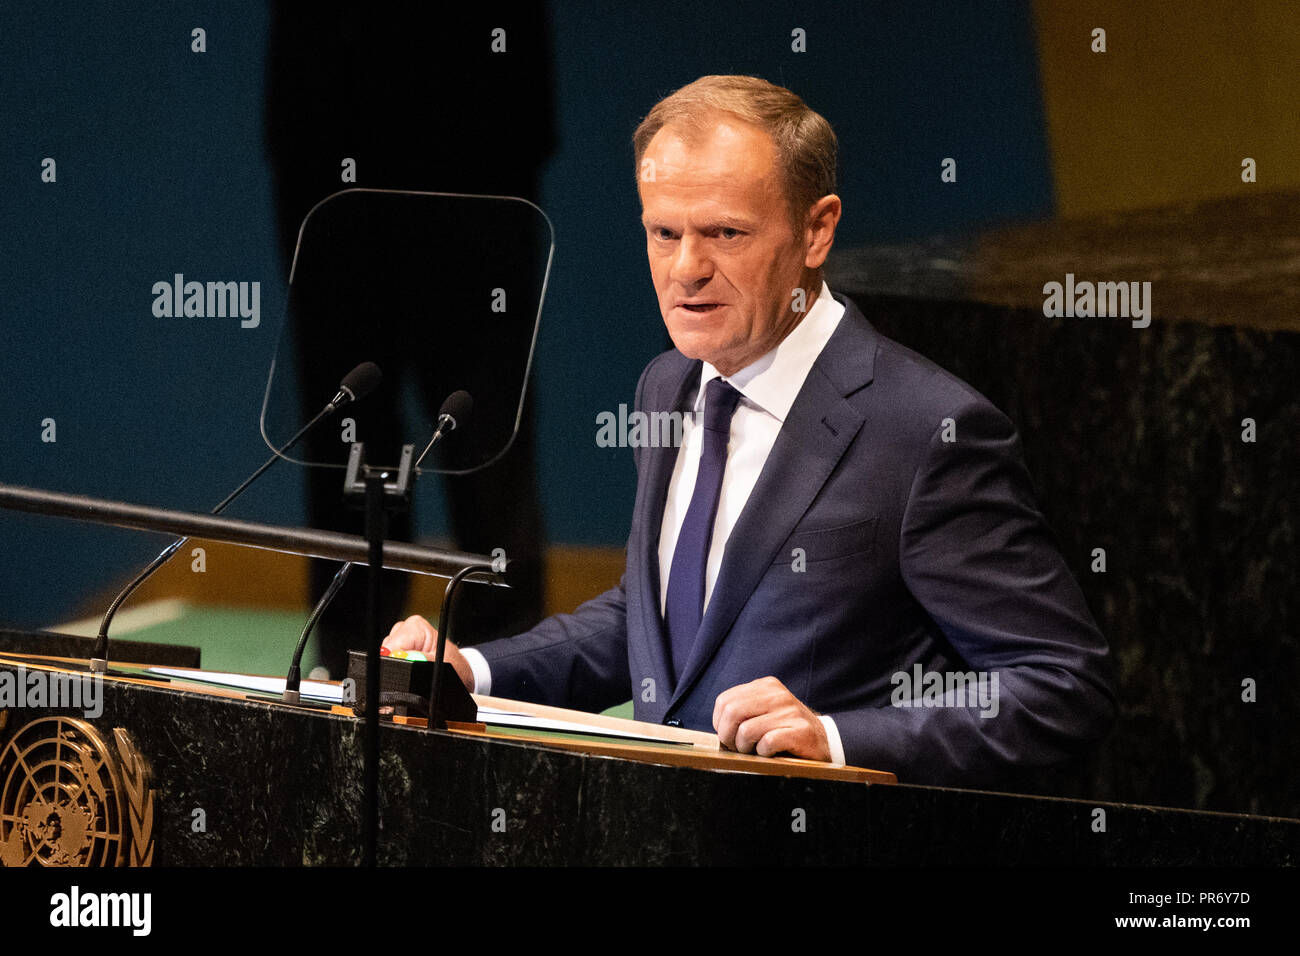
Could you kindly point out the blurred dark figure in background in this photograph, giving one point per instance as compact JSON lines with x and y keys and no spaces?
{"x":420,"y":100}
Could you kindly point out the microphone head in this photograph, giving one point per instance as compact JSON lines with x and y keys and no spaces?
{"x":457,"y":407}
{"x":361,"y":381}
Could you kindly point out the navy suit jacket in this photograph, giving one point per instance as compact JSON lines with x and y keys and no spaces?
{"x":894,"y":524}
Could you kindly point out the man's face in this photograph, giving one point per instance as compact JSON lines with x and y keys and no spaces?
{"x":723,"y":255}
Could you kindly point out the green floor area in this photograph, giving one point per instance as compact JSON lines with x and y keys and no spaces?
{"x":235,"y":639}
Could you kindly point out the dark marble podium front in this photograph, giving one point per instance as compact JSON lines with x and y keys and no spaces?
{"x":277,"y":786}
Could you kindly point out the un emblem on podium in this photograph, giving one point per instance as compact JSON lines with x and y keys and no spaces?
{"x":67,"y":798}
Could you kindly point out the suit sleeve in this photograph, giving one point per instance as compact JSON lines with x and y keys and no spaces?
{"x":978,"y":557}
{"x":576,"y":660}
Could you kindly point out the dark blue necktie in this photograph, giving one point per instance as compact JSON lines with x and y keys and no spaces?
{"x":684,"y":605}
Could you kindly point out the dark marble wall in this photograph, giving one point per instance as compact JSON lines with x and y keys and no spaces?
{"x":1134,"y":440}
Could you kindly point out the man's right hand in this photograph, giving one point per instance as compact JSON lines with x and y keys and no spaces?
{"x":417,"y":634}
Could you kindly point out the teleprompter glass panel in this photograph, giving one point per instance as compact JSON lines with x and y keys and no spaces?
{"x":442,"y":291}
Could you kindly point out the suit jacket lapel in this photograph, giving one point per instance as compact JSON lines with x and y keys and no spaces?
{"x":658,"y":470}
{"x":819,"y":429}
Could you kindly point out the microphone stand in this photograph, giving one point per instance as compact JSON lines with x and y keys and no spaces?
{"x":455,"y":410}
{"x":293,"y":682}
{"x":444,"y":626}
{"x":382,"y":492}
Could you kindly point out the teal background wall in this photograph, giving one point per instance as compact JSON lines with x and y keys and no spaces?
{"x":162,"y":168}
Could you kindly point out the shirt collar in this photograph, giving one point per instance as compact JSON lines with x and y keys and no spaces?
{"x":771,"y":383}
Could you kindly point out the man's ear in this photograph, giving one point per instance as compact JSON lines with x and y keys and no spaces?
{"x":819,"y":234}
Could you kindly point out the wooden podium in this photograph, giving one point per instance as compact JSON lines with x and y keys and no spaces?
{"x":182,"y":773}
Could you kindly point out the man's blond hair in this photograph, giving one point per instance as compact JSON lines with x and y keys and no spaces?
{"x":805,"y":142}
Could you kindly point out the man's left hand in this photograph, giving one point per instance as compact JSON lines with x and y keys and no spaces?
{"x":763,"y":717}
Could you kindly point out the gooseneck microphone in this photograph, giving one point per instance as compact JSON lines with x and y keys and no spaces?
{"x":356,"y":385}
{"x":454,"y":413}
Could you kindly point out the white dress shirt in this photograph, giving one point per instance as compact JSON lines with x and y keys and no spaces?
{"x":768,"y":388}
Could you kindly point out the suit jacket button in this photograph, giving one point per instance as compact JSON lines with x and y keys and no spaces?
{"x":673,"y":722}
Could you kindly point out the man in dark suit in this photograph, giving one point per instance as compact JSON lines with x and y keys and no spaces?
{"x":843,"y":559}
